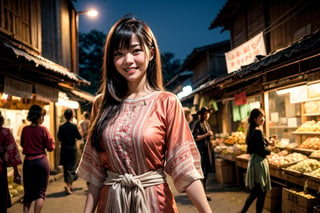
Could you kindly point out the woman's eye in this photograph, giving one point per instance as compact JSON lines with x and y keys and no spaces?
{"x":117,"y":53}
{"x":137,"y":50}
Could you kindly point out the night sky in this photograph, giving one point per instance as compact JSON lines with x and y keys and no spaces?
{"x":179,"y":25}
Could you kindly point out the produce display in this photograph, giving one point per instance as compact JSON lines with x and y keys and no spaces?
{"x":309,"y":126}
{"x":315,"y":173}
{"x":305,"y":166}
{"x":283,"y":159}
{"x":315,"y":154}
{"x":288,"y":146}
{"x":303,"y":194}
{"x":235,"y":149}
{"x":311,"y":143}
{"x":312,"y":107}
{"x":236,"y":138}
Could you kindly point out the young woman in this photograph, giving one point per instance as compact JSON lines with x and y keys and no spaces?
{"x":258,"y":176}
{"x":138,"y":132}
{"x":9,"y":157}
{"x":67,"y":134}
{"x":202,"y":134}
{"x":35,"y":139}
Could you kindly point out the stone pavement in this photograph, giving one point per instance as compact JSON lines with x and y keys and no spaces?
{"x":225,"y":198}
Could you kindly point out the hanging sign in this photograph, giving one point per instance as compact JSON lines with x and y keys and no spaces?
{"x":17,"y":88}
{"x":240,"y":98}
{"x":245,"y":53}
{"x":46,"y":94}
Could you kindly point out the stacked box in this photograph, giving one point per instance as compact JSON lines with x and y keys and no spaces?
{"x":224,"y":171}
{"x":292,"y":202}
{"x":273,"y":199}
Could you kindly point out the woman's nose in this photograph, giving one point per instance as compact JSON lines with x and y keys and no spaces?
{"x":128,"y":58}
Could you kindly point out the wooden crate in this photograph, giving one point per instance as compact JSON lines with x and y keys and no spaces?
{"x":295,"y":203}
{"x":224,"y":171}
{"x":273,"y":200}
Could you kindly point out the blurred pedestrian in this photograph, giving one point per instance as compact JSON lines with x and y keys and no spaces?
{"x":35,"y":140}
{"x":139,"y":133}
{"x":9,"y":157}
{"x":188,"y":116}
{"x":22,"y":125}
{"x":258,"y":175}
{"x":67,"y":134}
{"x":202,"y":135}
{"x":84,"y":128}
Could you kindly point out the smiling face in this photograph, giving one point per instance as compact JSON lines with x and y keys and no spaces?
{"x":132,"y":62}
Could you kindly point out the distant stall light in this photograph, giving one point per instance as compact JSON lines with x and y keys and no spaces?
{"x":187,"y":90}
{"x":67,"y":103}
{"x":4,"y":96}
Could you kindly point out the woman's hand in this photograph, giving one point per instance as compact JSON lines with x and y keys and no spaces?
{"x":17,"y":178}
{"x":210,"y":133}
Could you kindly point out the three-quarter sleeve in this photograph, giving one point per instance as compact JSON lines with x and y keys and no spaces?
{"x":49,"y":141}
{"x":11,"y":154}
{"x":90,"y":167}
{"x":183,"y":158}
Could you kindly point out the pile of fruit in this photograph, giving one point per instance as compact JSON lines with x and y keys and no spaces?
{"x":315,"y":173}
{"x":235,"y":149}
{"x":305,"y":166}
{"x":315,"y":154}
{"x":302,"y":194}
{"x":311,"y":143}
{"x":309,"y":126}
{"x":236,"y":138}
{"x":283,"y":159}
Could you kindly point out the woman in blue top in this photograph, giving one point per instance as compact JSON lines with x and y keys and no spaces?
{"x":258,"y":176}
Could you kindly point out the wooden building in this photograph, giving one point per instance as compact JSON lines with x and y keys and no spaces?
{"x":38,"y":62}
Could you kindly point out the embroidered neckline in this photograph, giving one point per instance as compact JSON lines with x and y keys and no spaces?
{"x":128,"y":100}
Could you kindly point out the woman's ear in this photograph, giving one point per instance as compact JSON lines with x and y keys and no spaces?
{"x":151,"y":54}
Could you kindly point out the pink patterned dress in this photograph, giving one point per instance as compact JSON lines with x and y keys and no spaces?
{"x":9,"y":156}
{"x":150,"y":133}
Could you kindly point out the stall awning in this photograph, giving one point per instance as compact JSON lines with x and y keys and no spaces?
{"x":15,"y":56}
{"x":307,"y":48}
{"x":77,"y":95}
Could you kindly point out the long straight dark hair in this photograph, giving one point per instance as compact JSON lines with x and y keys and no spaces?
{"x":114,"y":87}
{"x":251,"y":121}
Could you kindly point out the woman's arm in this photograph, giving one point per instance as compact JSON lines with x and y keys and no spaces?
{"x":197,"y":195}
{"x":92,"y":198}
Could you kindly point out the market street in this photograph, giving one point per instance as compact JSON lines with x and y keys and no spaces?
{"x":225,"y":198}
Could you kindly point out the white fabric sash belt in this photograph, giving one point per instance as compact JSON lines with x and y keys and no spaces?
{"x":127,"y":193}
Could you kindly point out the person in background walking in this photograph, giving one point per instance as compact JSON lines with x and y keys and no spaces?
{"x":9,"y":157}
{"x":84,"y":128}
{"x":67,"y":134}
{"x":202,"y":134}
{"x":35,"y":139}
{"x":187,"y":114}
{"x":139,"y":133}
{"x":258,"y":176}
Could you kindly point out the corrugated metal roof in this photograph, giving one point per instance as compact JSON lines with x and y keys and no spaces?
{"x":50,"y":66}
